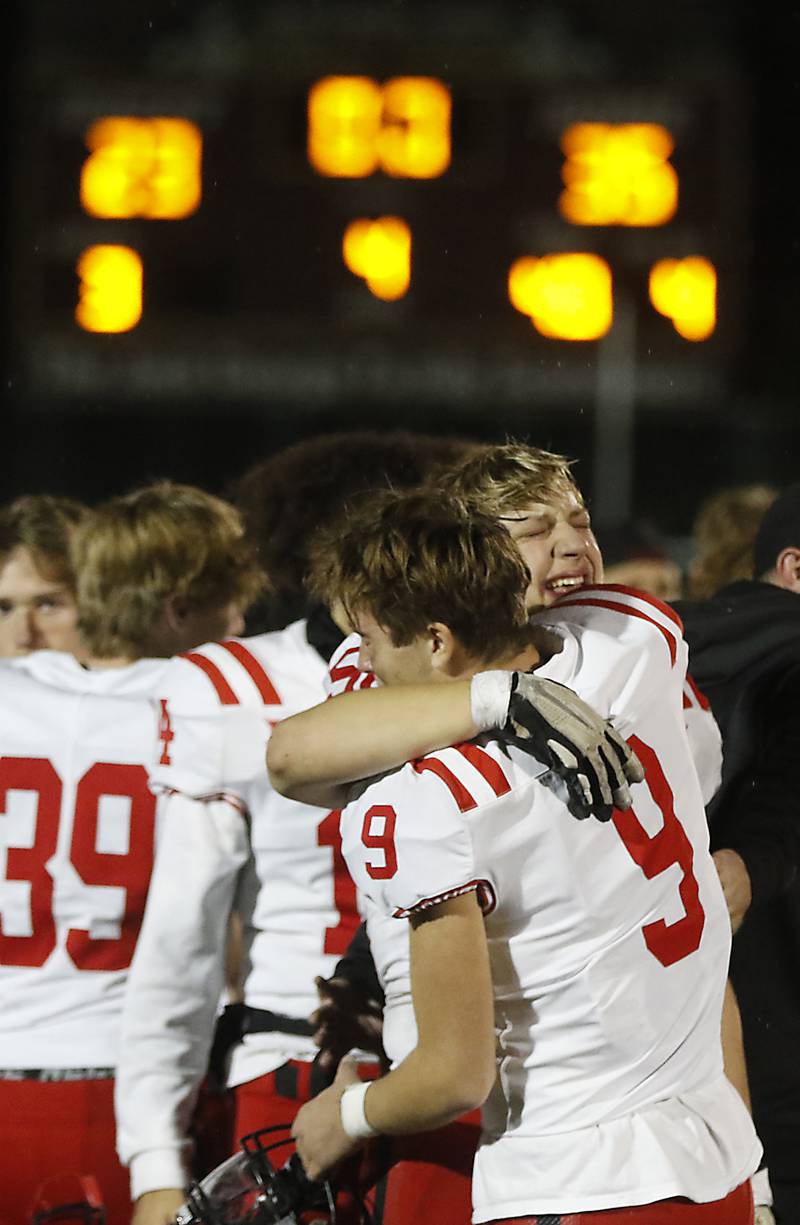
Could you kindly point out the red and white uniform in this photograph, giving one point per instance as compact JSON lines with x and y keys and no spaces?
{"x":77,"y":833}
{"x":228,"y":840}
{"x":388,"y":940}
{"x":609,"y":942}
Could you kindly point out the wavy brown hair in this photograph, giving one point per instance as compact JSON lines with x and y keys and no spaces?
{"x":287,"y":499}
{"x":43,"y":525}
{"x":412,"y":559}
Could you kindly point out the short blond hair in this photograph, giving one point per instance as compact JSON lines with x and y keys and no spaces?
{"x":135,"y":552}
{"x":411,"y":559}
{"x":509,"y":476}
{"x":43,"y":525}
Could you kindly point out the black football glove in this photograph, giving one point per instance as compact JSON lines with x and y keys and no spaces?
{"x":590,"y":760}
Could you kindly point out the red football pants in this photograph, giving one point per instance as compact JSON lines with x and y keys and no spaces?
{"x":430,"y":1182}
{"x":61,"y":1127}
{"x":735,"y":1209}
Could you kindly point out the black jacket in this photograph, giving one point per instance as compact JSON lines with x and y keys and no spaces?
{"x":744,"y":653}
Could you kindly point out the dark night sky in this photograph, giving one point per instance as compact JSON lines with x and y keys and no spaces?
{"x":100,"y":448}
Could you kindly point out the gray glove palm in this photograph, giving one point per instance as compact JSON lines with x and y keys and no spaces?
{"x":591,"y":763}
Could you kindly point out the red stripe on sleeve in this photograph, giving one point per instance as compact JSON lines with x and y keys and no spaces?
{"x":224,"y":692}
{"x":628,"y":611}
{"x":342,"y":671}
{"x":486,"y":766}
{"x":265,"y":687}
{"x":454,"y":785}
{"x":701,"y":698}
{"x":665,"y":609}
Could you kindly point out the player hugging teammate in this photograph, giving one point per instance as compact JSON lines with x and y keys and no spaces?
{"x":569,"y":973}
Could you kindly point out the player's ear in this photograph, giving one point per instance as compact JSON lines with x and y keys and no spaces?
{"x":176,"y":611}
{"x":787,"y":568}
{"x":442,"y":645}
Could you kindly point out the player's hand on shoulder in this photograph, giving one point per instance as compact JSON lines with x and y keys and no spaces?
{"x":158,"y":1207}
{"x":581,"y":748}
{"x":346,"y":1018}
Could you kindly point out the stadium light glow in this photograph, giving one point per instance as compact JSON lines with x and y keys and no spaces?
{"x":110,"y":290}
{"x":142,"y":168}
{"x":618,"y":174}
{"x":567,"y":296}
{"x":379,"y":251}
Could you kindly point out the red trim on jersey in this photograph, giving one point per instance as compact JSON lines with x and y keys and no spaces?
{"x":628,"y":611}
{"x":233,"y":800}
{"x":346,"y":672}
{"x":224,"y":692}
{"x":487,"y":899}
{"x":698,"y":694}
{"x":666,"y":609}
{"x":255,"y":670}
{"x":487,"y":767}
{"x":454,"y":785}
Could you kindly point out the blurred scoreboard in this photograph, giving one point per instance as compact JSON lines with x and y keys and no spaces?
{"x":377,"y":232}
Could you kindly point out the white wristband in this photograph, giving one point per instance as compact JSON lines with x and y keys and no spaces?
{"x":762,"y":1191}
{"x":354,"y":1121}
{"x":489,"y":695}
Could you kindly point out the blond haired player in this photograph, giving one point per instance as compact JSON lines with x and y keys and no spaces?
{"x":157,"y":571}
{"x":296,"y":898}
{"x":37,"y":586}
{"x":533,"y":494}
{"x":606,"y":943}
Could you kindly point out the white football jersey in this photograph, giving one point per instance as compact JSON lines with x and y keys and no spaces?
{"x":77,"y":830}
{"x":223,"y":700}
{"x":609,"y":943}
{"x":228,"y":839}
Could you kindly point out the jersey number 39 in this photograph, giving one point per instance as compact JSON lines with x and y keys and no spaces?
{"x":128,"y":872}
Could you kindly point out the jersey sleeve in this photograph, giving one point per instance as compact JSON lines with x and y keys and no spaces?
{"x":174,"y":987}
{"x":406,"y":840}
{"x":213,"y":736}
{"x":344,"y":674}
{"x":624,"y":650}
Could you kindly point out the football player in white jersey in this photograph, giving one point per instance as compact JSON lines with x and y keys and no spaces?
{"x":235,"y":843}
{"x":606,"y":943}
{"x":37,"y":589}
{"x":507,"y":481}
{"x":157,"y":571}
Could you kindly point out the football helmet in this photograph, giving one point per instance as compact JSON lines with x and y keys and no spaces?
{"x":249,"y":1189}
{"x":68,"y":1199}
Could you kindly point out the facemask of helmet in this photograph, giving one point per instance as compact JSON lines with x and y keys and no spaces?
{"x":249,"y":1189}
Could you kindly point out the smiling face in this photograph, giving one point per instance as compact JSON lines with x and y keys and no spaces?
{"x":556,"y":542}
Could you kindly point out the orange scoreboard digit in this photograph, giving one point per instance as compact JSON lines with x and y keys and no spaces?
{"x":397,"y":203}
